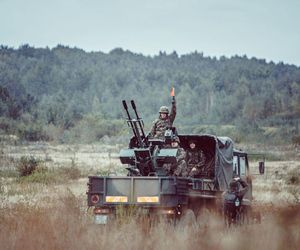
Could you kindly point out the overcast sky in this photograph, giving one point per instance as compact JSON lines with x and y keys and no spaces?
{"x":261,"y":28}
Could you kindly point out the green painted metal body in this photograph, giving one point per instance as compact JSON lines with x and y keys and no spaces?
{"x":171,"y":191}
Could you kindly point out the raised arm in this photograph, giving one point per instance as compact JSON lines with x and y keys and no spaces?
{"x":173,"y":111}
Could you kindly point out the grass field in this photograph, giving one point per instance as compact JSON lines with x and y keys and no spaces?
{"x":53,"y":215}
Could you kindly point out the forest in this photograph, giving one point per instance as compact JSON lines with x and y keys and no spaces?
{"x":67,"y":95}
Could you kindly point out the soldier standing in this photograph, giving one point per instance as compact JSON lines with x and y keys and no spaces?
{"x":195,"y":159}
{"x":232,"y":199}
{"x":179,"y":169}
{"x":165,"y":119}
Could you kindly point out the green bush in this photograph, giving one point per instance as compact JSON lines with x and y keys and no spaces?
{"x":293,"y":177}
{"x":1,"y":187}
{"x":31,"y":131}
{"x":92,"y":128}
{"x":71,"y":173}
{"x":296,"y":140}
{"x":41,"y":176}
{"x":54,"y":175}
{"x":27,"y":165}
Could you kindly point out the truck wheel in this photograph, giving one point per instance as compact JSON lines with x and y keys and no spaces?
{"x":156,"y":219}
{"x":187,"y":219}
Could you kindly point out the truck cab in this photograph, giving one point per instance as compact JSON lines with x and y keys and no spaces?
{"x":241,"y":169}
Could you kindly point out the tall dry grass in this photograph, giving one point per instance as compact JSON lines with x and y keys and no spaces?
{"x":64,"y":223}
{"x":48,"y":218}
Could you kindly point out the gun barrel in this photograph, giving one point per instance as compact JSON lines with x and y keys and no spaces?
{"x":139,"y":120}
{"x":125,"y":105}
{"x":129,"y":121}
{"x":138,"y":136}
{"x":136,"y":113}
{"x":133,"y":105}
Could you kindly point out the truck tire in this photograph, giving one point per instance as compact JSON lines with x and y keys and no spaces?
{"x":187,"y":219}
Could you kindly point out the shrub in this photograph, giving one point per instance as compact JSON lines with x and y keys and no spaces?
{"x":296,"y":140}
{"x":294,"y":191}
{"x":71,"y":173}
{"x":43,"y":176}
{"x":27,"y":165}
{"x":34,"y":132}
{"x":49,"y":176}
{"x":92,"y":128}
{"x":293,"y":177}
{"x":1,"y":187}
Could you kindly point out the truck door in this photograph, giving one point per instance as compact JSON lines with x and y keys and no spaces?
{"x":244,"y":174}
{"x":235,"y":165}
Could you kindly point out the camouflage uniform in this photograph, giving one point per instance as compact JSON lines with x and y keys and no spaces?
{"x":160,"y":125}
{"x":234,"y":189}
{"x":195,"y":158}
{"x":231,"y":196}
{"x":179,"y":169}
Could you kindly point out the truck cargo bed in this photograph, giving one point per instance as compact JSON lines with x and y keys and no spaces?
{"x":147,"y":191}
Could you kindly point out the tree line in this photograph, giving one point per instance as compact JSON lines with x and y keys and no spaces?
{"x":68,"y":94}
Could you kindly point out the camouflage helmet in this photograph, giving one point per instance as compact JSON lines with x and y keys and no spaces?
{"x":164,"y":110}
{"x":176,"y":139}
{"x":192,"y":141}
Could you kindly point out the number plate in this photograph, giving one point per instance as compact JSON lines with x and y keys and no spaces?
{"x":101,"y":219}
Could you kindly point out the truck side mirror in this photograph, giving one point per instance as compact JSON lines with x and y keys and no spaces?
{"x":261,"y":167}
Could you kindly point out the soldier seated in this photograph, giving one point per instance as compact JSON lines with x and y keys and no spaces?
{"x":195,"y":159}
{"x":179,"y":169}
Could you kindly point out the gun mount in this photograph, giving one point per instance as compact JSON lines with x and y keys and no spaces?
{"x":145,"y":156}
{"x":148,"y":186}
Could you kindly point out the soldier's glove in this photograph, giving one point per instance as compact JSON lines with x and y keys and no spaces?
{"x":237,"y":178}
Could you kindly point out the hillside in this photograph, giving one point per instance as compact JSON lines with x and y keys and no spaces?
{"x":68,"y":94}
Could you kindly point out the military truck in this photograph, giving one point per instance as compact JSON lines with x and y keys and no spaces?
{"x":148,"y":187}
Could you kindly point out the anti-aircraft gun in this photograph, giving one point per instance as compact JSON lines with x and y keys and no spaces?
{"x":148,"y":187}
{"x":145,"y":155}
